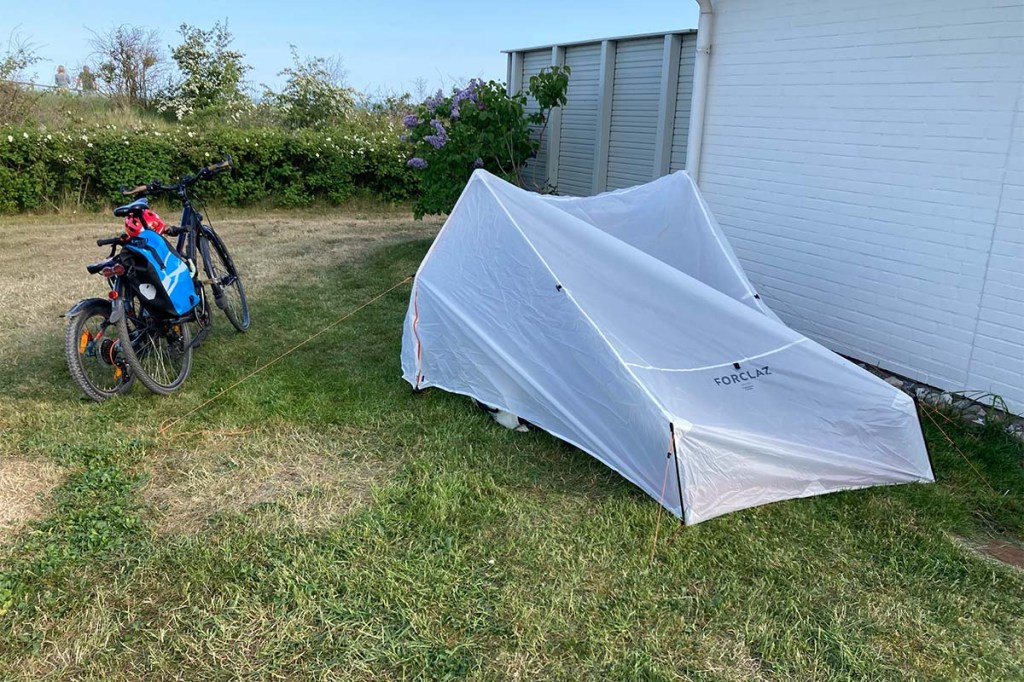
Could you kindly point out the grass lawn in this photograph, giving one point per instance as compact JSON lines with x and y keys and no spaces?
{"x":321,"y":521}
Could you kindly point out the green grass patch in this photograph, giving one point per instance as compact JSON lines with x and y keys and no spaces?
{"x":323,"y":521}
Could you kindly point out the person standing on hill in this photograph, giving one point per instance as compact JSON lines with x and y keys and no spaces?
{"x":61,"y":78}
{"x":86,"y":81}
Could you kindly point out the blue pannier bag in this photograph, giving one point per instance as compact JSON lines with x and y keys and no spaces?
{"x":165,"y":285}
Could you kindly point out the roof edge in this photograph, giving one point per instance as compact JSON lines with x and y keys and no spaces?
{"x":598,"y":41}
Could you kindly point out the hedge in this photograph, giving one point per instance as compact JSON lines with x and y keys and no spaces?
{"x":42,"y":170}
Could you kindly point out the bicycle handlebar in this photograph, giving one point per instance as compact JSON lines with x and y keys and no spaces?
{"x":138,"y":189}
{"x":220,"y":165}
{"x":157,"y":187}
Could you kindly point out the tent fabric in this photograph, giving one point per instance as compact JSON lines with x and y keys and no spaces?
{"x":624,"y":324}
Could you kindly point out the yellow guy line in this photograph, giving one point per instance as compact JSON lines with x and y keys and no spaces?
{"x":170,"y":423}
{"x":925,"y":409}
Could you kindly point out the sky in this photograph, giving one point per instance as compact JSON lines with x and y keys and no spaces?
{"x":386,"y":47}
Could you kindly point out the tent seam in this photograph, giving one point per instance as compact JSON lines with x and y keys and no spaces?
{"x":737,"y":269}
{"x":440,"y":232}
{"x":724,"y":364}
{"x":576,"y":303}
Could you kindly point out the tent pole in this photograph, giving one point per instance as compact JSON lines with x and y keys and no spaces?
{"x":679,"y":481}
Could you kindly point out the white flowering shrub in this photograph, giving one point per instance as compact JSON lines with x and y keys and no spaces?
{"x":212,"y":75}
{"x":15,"y":101}
{"x":313,"y":96}
{"x":86,"y":166}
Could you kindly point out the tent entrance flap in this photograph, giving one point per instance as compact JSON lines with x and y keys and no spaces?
{"x":602,"y":319}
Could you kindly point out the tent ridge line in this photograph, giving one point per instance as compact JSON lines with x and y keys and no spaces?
{"x":440,"y":233}
{"x":576,"y":303}
{"x":733,"y":261}
{"x":724,"y":364}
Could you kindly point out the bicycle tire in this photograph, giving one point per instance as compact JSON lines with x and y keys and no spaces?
{"x":149,"y":348}
{"x":202,"y":324}
{"x":226,"y":283}
{"x":93,"y":356}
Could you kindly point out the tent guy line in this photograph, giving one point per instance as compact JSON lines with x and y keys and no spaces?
{"x":167,"y":425}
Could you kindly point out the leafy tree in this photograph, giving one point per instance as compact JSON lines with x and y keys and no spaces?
{"x":479,"y":126}
{"x":131,"y":63}
{"x":15,"y":100}
{"x":212,"y":72}
{"x":315,"y":93}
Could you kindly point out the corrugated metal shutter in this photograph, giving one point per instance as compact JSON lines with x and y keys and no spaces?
{"x":634,"y":123}
{"x":535,"y":174}
{"x":579,"y":121}
{"x":684,"y":93}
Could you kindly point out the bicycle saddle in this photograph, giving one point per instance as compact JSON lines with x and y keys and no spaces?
{"x":137,"y":205}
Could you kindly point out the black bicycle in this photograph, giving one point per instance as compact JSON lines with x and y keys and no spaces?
{"x":144,"y":329}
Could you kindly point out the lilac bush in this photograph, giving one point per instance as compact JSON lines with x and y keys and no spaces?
{"x":478,"y":126}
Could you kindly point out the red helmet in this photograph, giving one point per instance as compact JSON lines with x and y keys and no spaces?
{"x":135,"y":223}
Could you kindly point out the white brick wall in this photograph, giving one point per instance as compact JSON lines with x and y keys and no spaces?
{"x":867,"y":161}
{"x":997,"y":361}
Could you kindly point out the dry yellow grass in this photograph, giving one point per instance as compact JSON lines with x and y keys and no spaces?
{"x":303,"y":478}
{"x":43,"y":258}
{"x":24,"y":485}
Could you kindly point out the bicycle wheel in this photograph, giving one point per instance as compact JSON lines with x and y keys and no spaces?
{"x":201,"y":322}
{"x":158,"y":352}
{"x":93,"y":351}
{"x":228,"y":291}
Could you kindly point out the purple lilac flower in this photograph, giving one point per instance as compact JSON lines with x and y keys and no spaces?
{"x":411,"y":121}
{"x":440,"y":136}
{"x":416,"y":162}
{"x":433,"y":102}
{"x":478,"y":163}
{"x":467,"y":93}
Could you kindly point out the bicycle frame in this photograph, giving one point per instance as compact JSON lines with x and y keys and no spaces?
{"x":190,"y":239}
{"x":191,"y":223}
{"x":155,"y":338}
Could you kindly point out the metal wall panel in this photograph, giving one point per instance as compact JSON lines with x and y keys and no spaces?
{"x":616,"y":145}
{"x":535,"y":175}
{"x":684,"y":92}
{"x":634,"y":114}
{"x":579,"y":121}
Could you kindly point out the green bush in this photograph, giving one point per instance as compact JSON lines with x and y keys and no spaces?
{"x":479,"y":126}
{"x":86,"y":167}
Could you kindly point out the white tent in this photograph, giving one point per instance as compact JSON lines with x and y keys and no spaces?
{"x":624,"y":324}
